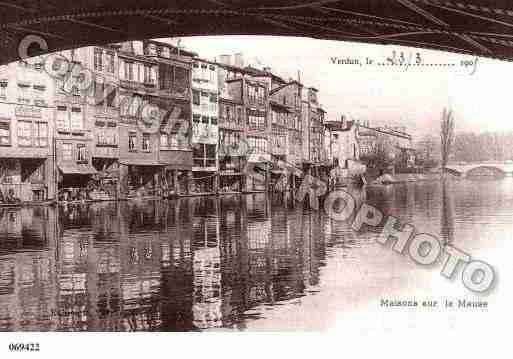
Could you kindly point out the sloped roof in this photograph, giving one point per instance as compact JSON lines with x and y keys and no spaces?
{"x":477,"y":27}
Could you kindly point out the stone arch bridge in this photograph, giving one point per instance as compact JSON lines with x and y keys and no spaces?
{"x":480,"y":169}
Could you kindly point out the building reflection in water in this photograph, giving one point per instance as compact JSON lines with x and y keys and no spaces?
{"x":188,"y":264}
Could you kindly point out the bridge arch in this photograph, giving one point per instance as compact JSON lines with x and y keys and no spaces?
{"x":467,"y":27}
{"x":485,"y":170}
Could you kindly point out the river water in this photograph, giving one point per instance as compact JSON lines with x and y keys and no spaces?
{"x":246,"y":262}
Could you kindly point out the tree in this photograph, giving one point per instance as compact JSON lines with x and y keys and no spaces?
{"x":446,"y":135}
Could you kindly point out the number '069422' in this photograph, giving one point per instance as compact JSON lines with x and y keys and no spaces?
{"x":24,"y":347}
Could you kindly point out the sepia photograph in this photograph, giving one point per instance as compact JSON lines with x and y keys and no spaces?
{"x":297,"y":174}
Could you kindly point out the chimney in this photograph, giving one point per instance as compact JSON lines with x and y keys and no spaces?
{"x":343,"y":121}
{"x":225,"y":59}
{"x":238,"y":60}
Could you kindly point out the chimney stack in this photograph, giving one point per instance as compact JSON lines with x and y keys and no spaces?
{"x":225,"y":59}
{"x":238,"y":60}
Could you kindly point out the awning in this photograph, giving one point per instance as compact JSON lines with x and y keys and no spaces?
{"x":77,"y":169}
{"x":141,"y":163}
{"x":178,"y":166}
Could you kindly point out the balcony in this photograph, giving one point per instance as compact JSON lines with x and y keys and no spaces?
{"x":106,"y":111}
{"x":230,"y":124}
{"x":138,"y":86}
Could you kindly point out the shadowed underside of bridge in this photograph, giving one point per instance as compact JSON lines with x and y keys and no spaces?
{"x":477,"y":27}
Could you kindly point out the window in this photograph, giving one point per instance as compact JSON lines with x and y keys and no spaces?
{"x":41,"y":134}
{"x":229,"y":139}
{"x":213,"y":120}
{"x":130,"y":70}
{"x":39,"y":90}
{"x":110,"y":62}
{"x":195,"y":97}
{"x":165,"y":76}
{"x":181,"y":79}
{"x":75,"y":91}
{"x":132,"y":141}
{"x":107,"y":137}
{"x":99,"y":90}
{"x":213,"y":98}
{"x":146,"y":142}
{"x":204,"y":119}
{"x":98,"y":63}
{"x":240,"y":119}
{"x":228,"y":114}
{"x":163,"y":140}
{"x":76,"y":119}
{"x":23,"y":95}
{"x":255,"y":120}
{"x":177,"y":140}
{"x":5,"y":133}
{"x":81,"y":152}
{"x":24,"y":133}
{"x":204,"y":155}
{"x":149,"y":74}
{"x":196,"y":118}
{"x":62,"y":117}
{"x":67,"y":151}
{"x":3,"y":89}
{"x":174,"y":78}
{"x":257,"y":144}
{"x":111,"y":96}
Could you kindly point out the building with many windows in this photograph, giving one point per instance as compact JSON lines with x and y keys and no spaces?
{"x":27,"y":170}
{"x":173,"y":101}
{"x":247,"y":86}
{"x":205,"y":131}
{"x":102,"y":110}
{"x":151,"y":119}
{"x":138,"y":132}
{"x":314,"y":156}
{"x":285,"y":104}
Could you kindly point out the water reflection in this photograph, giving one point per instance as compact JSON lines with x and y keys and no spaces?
{"x":202,"y":263}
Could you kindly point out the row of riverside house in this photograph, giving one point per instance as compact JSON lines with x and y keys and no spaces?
{"x":62,"y":141}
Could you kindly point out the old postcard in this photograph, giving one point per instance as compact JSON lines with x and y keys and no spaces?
{"x":227,"y":167}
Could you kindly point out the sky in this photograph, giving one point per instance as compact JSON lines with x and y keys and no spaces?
{"x":415,"y":97}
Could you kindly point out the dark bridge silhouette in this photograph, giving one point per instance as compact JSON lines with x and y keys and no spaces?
{"x":476,"y":27}
{"x":477,"y":169}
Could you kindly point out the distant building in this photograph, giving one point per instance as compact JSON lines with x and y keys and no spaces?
{"x":313,"y":130}
{"x":343,"y":142}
